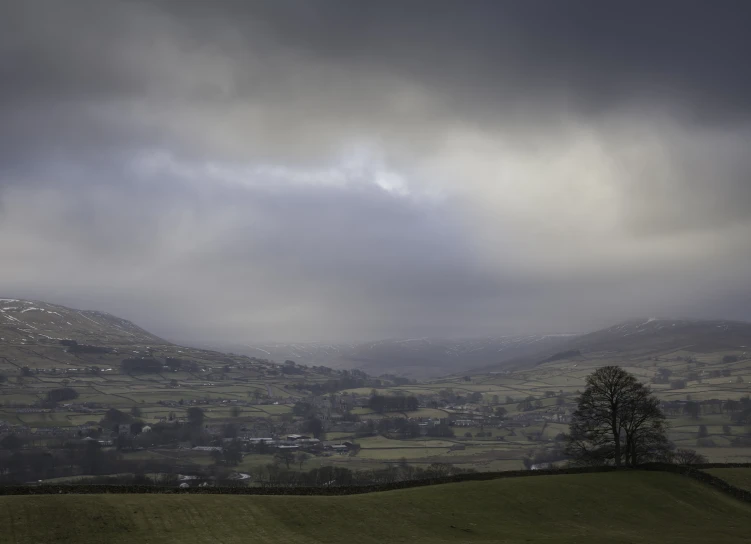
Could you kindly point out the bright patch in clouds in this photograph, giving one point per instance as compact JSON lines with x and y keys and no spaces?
{"x":312,"y":171}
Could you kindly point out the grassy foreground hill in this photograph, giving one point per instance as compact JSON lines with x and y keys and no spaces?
{"x":739,"y":477}
{"x":623,"y":507}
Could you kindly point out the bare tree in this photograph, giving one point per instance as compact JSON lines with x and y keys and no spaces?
{"x":286,"y":457}
{"x":301,"y":458}
{"x":617,"y":420}
{"x":644,"y":426}
{"x":688,"y":457}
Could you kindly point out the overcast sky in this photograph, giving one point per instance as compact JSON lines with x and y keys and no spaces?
{"x":335,"y":170}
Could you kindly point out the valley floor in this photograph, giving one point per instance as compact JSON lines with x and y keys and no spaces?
{"x":634,"y":507}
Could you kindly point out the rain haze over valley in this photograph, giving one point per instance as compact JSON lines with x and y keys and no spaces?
{"x":253,"y":172}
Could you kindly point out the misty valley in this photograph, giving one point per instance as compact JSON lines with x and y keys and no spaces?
{"x":383,"y":271}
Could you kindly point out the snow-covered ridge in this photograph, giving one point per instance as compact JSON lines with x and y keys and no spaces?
{"x":28,"y":322}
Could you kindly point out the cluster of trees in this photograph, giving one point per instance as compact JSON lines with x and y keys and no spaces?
{"x":695,"y":409}
{"x":399,"y":426}
{"x":98,"y":466}
{"x":113,"y":416}
{"x":75,"y":458}
{"x":619,"y":421}
{"x":176,"y":364}
{"x":231,"y":454}
{"x":279,"y":474}
{"x":314,"y":426}
{"x":291,"y":458}
{"x":742,"y":413}
{"x":141,"y":365}
{"x":290,"y":367}
{"x":529,"y":403}
{"x":137,"y":478}
{"x":36,"y":464}
{"x":450,"y":396}
{"x":304,"y":409}
{"x":62,"y":394}
{"x":441,"y":430}
{"x":545,"y":456}
{"x":392,"y":403}
{"x":311,"y":423}
{"x":663,"y":376}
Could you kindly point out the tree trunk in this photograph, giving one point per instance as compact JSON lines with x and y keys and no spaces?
{"x":617,"y":444}
{"x":616,"y":436}
{"x":630,"y":451}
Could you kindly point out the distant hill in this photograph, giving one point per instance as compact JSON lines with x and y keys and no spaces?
{"x":634,"y":506}
{"x":646,"y":337}
{"x":56,"y":339}
{"x":427,"y":358}
{"x":29,"y":321}
{"x":417,"y":357}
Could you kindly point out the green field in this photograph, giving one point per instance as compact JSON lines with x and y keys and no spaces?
{"x":739,"y":477}
{"x":633,"y":507}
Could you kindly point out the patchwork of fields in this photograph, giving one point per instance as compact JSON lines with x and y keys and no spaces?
{"x":258,"y":397}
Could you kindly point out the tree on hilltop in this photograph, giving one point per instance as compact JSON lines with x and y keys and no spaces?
{"x":618,"y":420}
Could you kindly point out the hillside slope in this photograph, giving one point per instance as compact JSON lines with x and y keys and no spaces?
{"x":29,"y":321}
{"x":36,"y":355}
{"x":640,"y":339}
{"x":634,"y":507}
{"x":644,"y":336}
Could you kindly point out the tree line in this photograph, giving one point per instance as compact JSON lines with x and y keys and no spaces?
{"x":392,"y":403}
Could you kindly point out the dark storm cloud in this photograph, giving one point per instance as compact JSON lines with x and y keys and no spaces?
{"x":597,"y":52}
{"x":337,"y":169}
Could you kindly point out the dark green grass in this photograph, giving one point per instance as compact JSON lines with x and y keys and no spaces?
{"x":634,"y":507}
{"x":739,"y":477}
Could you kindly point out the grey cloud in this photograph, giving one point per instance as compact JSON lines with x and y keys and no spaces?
{"x":596,"y":53}
{"x":584,"y":155}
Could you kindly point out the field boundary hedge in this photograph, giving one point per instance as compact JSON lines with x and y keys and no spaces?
{"x":43,"y":489}
{"x":693,"y":471}
{"x":697,"y":473}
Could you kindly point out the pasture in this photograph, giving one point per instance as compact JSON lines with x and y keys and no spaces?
{"x":739,"y":477}
{"x":633,"y":507}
